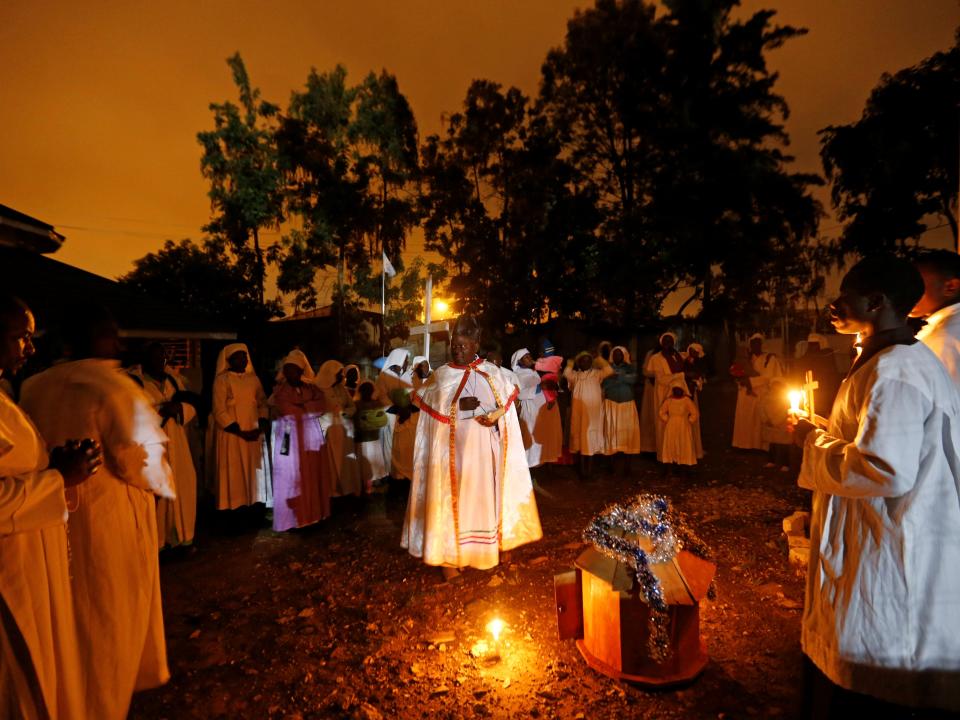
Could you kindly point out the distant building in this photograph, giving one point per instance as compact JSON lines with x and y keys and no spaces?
{"x":51,"y":288}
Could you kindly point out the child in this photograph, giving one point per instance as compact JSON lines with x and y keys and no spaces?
{"x":774,"y":413}
{"x":370,"y":419}
{"x":679,"y":413}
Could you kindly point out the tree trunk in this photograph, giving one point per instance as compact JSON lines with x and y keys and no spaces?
{"x":261,"y":266}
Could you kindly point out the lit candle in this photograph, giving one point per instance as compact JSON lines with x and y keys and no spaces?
{"x":495,"y":627}
{"x":795,"y":396}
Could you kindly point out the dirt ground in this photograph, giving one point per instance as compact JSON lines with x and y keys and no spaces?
{"x":338,"y":621}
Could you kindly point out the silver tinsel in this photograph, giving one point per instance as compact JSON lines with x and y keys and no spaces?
{"x":647,"y":516}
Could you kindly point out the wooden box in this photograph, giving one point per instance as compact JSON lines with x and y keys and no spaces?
{"x":601,"y":606}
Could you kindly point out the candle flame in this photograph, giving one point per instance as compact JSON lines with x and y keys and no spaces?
{"x":795,"y":396}
{"x":495,"y":627}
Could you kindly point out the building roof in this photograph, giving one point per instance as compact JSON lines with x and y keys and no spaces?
{"x":50,"y":288}
{"x":20,"y":230}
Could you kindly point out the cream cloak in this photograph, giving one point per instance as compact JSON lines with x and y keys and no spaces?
{"x":431,"y":528}
{"x":113,"y":530}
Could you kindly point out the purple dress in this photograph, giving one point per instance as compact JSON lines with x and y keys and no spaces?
{"x":300,"y":493}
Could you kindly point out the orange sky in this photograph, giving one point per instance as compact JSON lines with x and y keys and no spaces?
{"x":101,"y":102}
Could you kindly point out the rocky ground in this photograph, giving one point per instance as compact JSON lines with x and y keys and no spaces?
{"x":339,"y":621}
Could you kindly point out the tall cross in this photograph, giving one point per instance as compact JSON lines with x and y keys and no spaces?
{"x":809,"y":386}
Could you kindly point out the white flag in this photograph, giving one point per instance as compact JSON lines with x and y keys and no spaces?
{"x":388,"y":268}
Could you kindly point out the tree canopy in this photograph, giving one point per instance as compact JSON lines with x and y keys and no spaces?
{"x":895,"y":171}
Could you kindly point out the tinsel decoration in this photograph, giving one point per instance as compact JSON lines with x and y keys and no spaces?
{"x":647,"y":516}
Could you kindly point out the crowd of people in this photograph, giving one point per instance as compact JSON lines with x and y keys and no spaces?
{"x":81,"y":625}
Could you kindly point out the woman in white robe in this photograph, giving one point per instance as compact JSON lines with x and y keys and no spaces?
{"x":115,"y":572}
{"x":620,"y":417}
{"x":240,"y":419}
{"x":393,"y":391}
{"x":337,"y":425}
{"x":539,"y":418}
{"x":666,"y":368}
{"x":747,"y":421}
{"x":584,"y":375}
{"x":176,"y":519}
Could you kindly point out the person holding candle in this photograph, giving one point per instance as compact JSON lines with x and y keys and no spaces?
{"x":881,"y":626}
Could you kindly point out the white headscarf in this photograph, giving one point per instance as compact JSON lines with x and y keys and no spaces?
{"x":223,"y":365}
{"x":296,"y":357}
{"x":517,"y":357}
{"x":756,"y":336}
{"x":419,"y":359}
{"x":667,"y":334}
{"x":626,"y":353}
{"x":327,"y":374}
{"x":396,"y":357}
{"x":695,"y":346}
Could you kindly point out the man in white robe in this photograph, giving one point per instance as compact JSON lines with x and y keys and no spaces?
{"x":940,"y":307}
{"x":176,"y":519}
{"x":113,"y":523}
{"x":747,"y":421}
{"x":465,"y":510}
{"x":40,"y":671}
{"x":882,"y":610}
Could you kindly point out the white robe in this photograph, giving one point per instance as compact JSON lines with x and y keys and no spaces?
{"x":488,"y":481}
{"x":747,"y":423}
{"x":679,"y":416}
{"x":882,"y":611}
{"x":40,"y":671}
{"x":336,"y":422}
{"x":398,"y":438}
{"x":648,"y":408}
{"x":113,"y":530}
{"x":176,"y":519}
{"x":942,"y":335}
{"x":540,"y":425}
{"x":663,"y":377}
{"x":586,"y":409}
{"x":242,"y":467}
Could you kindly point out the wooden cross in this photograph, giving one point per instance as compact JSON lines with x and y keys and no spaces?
{"x":809,"y":385}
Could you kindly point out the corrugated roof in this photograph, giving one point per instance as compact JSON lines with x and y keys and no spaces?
{"x":50,"y":288}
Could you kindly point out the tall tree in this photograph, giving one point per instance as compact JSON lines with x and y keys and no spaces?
{"x":674,"y":120}
{"x":894,"y":172}
{"x":206,"y":278}
{"x":500,"y":207}
{"x":240,"y":161}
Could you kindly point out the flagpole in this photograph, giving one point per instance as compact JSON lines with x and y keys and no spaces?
{"x":383,"y":304}
{"x":426,"y":317}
